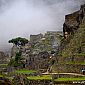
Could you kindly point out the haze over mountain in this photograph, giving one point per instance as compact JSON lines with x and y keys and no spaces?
{"x":25,"y":17}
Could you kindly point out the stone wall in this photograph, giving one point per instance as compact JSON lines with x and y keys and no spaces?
{"x":40,"y":82}
{"x":36,"y":38}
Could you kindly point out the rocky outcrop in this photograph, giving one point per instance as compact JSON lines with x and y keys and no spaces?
{"x":72,"y":21}
{"x":72,"y":56}
{"x":3,"y":57}
{"x":71,"y":24}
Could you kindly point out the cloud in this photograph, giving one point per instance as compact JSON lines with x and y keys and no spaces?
{"x":25,"y":17}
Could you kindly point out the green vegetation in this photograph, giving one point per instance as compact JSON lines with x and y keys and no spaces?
{"x":43,"y":77}
{"x":12,"y":62}
{"x":77,"y":54}
{"x":18,"y":41}
{"x":80,"y":54}
{"x":16,"y":62}
{"x":71,"y":79}
{"x":18,"y":57}
{"x":48,"y":77}
{"x":76,"y":45}
{"x":76,"y":63}
{"x":1,"y":75}
{"x":3,"y":64}
{"x":25,"y":71}
{"x":10,"y":78}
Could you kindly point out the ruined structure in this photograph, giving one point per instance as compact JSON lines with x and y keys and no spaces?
{"x":36,"y":53}
{"x":35,"y":38}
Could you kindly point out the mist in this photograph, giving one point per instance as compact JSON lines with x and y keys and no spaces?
{"x":20,"y":18}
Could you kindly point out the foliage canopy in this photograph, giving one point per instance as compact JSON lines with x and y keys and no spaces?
{"x":18,"y":41}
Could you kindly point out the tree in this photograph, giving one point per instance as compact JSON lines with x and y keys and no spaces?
{"x":18,"y":57}
{"x":18,"y":41}
{"x":16,"y":61}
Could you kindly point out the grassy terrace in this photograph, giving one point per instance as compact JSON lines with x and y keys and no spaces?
{"x":77,"y":54}
{"x":48,"y":77}
{"x":24,"y":71}
{"x":3,"y":64}
{"x":43,"y":77}
{"x":1,"y":75}
{"x":71,"y":79}
{"x":74,"y":63}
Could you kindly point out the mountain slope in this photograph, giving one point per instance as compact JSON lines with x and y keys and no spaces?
{"x":72,"y":58}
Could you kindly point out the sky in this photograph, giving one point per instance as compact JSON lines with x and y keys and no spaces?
{"x":21,"y":18}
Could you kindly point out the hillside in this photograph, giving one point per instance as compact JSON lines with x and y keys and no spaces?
{"x":77,"y":43}
{"x":72,"y":55}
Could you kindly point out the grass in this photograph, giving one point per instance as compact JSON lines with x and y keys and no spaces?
{"x":75,"y":63}
{"x":79,"y":54}
{"x":1,"y":75}
{"x":43,"y":77}
{"x":3,"y":64}
{"x":48,"y":77}
{"x":71,"y":79}
{"x":25,"y":71}
{"x":10,"y":78}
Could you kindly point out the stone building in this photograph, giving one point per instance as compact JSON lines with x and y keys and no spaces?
{"x":35,"y":38}
{"x":36,"y":53}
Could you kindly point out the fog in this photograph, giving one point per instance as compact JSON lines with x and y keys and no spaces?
{"x":25,"y":17}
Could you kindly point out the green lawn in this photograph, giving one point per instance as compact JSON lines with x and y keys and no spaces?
{"x":1,"y":75}
{"x":25,"y":71}
{"x":43,"y":77}
{"x":71,"y":79}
